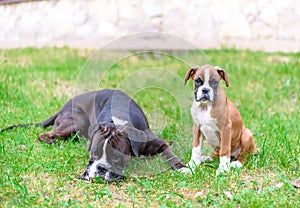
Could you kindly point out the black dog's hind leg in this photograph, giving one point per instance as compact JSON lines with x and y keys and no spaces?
{"x":63,"y":129}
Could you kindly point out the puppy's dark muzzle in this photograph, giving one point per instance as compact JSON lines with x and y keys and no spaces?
{"x":203,"y":98}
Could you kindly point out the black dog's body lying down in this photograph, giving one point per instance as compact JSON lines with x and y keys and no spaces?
{"x":116,"y":128}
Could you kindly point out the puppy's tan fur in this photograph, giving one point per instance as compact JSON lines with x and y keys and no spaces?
{"x":226,"y":122}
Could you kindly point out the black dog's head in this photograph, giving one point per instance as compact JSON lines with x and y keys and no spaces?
{"x":110,"y":147}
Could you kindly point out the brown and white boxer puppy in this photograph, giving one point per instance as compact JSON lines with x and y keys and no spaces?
{"x":116,"y":128}
{"x":217,"y":120}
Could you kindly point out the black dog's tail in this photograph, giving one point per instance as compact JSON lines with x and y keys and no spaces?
{"x":44,"y":124}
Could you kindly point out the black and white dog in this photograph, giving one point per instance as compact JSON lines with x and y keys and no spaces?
{"x":116,"y":128}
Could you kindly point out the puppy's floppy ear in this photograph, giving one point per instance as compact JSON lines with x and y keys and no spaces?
{"x":223,"y":74}
{"x":189,"y":74}
{"x":137,"y":139}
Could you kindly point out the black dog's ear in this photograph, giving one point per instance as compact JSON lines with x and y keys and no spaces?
{"x":93,"y":128}
{"x":137,"y":139}
{"x":223,"y":74}
{"x":105,"y":128}
{"x":189,"y":74}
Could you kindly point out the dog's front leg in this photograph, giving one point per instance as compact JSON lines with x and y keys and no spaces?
{"x":197,"y":148}
{"x":225,"y":148}
{"x":157,"y":145}
{"x":197,"y":157}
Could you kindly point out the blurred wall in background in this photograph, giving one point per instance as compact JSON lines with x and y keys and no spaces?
{"x":268,"y":25}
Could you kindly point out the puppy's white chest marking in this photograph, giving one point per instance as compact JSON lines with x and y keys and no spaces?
{"x":206,"y":124}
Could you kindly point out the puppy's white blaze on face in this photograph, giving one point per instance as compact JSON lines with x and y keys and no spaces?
{"x":207,"y":86}
{"x":103,"y":160}
{"x":118,"y":121}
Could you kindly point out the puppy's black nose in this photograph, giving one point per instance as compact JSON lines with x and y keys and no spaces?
{"x":205,"y":90}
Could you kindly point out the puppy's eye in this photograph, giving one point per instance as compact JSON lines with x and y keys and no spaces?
{"x":198,"y":81}
{"x":214,"y":82}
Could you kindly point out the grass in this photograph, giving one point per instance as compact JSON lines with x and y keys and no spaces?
{"x":35,"y":83}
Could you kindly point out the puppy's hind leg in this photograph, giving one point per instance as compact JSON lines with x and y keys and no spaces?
{"x":247,"y":144}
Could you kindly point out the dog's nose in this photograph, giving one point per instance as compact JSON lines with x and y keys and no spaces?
{"x":205,"y":90}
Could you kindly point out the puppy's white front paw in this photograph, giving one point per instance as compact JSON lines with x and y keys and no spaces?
{"x":223,"y":169}
{"x":224,"y":165}
{"x":236,"y":164}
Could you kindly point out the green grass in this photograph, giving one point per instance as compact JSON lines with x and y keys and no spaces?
{"x":35,"y":83}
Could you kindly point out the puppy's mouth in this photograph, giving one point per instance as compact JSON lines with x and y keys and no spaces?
{"x":203,"y":99}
